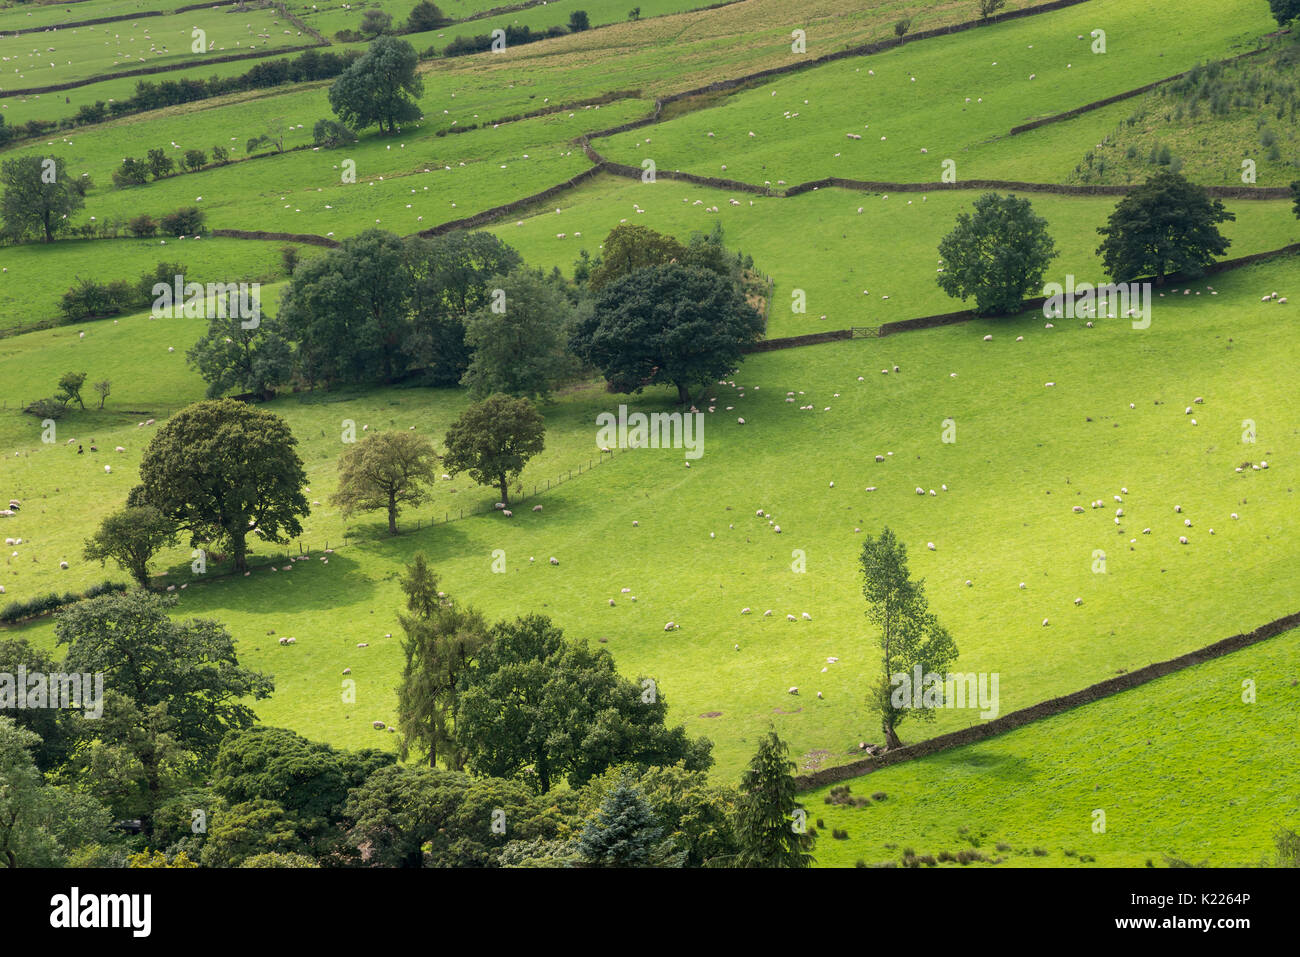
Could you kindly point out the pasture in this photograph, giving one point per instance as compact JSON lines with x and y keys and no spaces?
{"x":1176,"y":420}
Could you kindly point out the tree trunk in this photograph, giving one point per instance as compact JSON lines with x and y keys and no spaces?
{"x":392,"y":513}
{"x":683,"y":394}
{"x":505,"y":491}
{"x":241,"y":553}
{"x":891,"y":737}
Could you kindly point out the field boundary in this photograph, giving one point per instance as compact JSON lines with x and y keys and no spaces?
{"x":1118,"y":97}
{"x":1050,"y":707}
{"x":160,"y":68}
{"x":73,"y":24}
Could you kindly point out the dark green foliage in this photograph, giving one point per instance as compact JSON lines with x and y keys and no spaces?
{"x":998,"y":254}
{"x":493,"y":441}
{"x":625,"y":833}
{"x":1166,"y":225}
{"x":39,"y":197}
{"x":223,"y":471}
{"x":671,"y":324}
{"x":534,"y":705}
{"x":378,"y":88}
{"x":767,"y":826}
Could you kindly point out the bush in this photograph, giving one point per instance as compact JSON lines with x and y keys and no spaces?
{"x":92,"y":300}
{"x":329,"y":133}
{"x":142,"y":226}
{"x":51,"y":408}
{"x":132,"y":172}
{"x":186,"y":221}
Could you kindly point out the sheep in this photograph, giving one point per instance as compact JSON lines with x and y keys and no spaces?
{"x":63,"y":565}
{"x":1146,"y":531}
{"x":794,"y":689}
{"x":537,"y":508}
{"x":919,"y":490}
{"x":807,"y":617}
{"x":1178,"y":508}
{"x":554,"y":560}
{"x":777,"y":529}
{"x":1182,"y":540}
{"x":1078,"y":509}
{"x":1078,"y":601}
{"x":1045,"y":622}
{"x":988,"y":338}
{"x":507,"y":513}
{"x":1022,"y":585}
{"x":880,"y":458}
{"x":790,"y":618}
{"x":611,"y":603}
{"x":108,"y":468}
{"x":120,"y":449}
{"x":768,"y":613}
{"x":363,"y":644}
{"x":930,"y":545}
{"x":671,"y":626}
{"x":1234,"y":515}
{"x":819,"y":694}
{"x":744,"y":611}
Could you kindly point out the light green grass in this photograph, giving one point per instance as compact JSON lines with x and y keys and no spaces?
{"x":917,"y":99}
{"x":1025,"y":455}
{"x":85,"y":52}
{"x":1182,"y":767}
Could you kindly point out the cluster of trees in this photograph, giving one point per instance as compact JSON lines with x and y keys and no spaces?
{"x":463,"y":309}
{"x":515,"y":36}
{"x":158,"y":164}
{"x":1000,"y":253}
{"x":586,"y":774}
{"x":492,"y":441}
{"x":424,"y":16}
{"x":223,"y":471}
{"x":87,"y":299}
{"x":70,"y":387}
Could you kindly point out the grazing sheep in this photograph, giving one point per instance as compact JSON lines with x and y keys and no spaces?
{"x":768,"y":613}
{"x":793,"y":690}
{"x":1044,"y":622}
{"x":1146,"y":531}
{"x":1077,"y":508}
{"x":1182,"y":540}
{"x":744,"y":611}
{"x":1078,"y":601}
{"x":790,"y":618}
{"x":969,"y":583}
{"x":807,"y":617}
{"x":507,"y":513}
{"x":930,"y":545}
{"x":1022,"y":584}
{"x":120,"y":449}
{"x":611,"y":603}
{"x":554,"y":560}
{"x":63,"y":565}
{"x":537,"y":508}
{"x":777,"y":529}
{"x":671,"y":626}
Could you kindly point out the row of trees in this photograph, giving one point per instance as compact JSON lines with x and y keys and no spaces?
{"x":1000,"y":253}
{"x":87,"y":299}
{"x":221,"y":471}
{"x":586,"y":774}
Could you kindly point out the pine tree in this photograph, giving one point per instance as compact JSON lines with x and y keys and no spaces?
{"x":771,"y":833}
{"x":625,"y":833}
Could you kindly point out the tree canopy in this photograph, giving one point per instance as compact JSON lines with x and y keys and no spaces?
{"x":379,"y":86}
{"x":223,"y":470}
{"x":38,"y":197}
{"x":998,"y":254}
{"x":673,"y":324}
{"x":385,"y":470}
{"x":493,"y":441}
{"x":538,"y":706}
{"x":1166,"y":225}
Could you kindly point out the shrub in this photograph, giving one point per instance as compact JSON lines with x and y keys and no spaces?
{"x":43,"y":604}
{"x":142,"y":226}
{"x":328,"y":133}
{"x":132,"y":172}
{"x":186,"y":221}
{"x":50,"y":408}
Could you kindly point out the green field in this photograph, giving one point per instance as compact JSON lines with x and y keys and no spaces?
{"x":1046,"y":417}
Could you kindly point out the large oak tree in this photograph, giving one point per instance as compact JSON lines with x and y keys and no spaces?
{"x":224,"y":470}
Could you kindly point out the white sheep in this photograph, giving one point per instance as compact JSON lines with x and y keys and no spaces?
{"x":554,"y":560}
{"x":537,"y":508}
